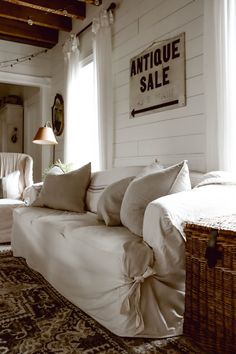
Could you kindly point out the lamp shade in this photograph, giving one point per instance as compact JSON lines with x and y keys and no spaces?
{"x":45,"y":136}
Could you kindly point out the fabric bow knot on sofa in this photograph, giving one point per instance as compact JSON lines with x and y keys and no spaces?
{"x":16,"y":174}
{"x":113,"y":242}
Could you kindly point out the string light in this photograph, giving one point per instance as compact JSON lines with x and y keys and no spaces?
{"x":13,"y":62}
{"x":30,"y":22}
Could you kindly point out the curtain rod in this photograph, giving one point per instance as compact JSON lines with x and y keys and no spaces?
{"x":111,"y":7}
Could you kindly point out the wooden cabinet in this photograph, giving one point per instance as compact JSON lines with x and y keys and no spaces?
{"x":11,"y":128}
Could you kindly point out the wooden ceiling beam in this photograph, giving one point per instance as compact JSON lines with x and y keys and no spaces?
{"x":19,"y":30}
{"x":17,"y":12}
{"x":40,"y":44}
{"x":71,"y":8}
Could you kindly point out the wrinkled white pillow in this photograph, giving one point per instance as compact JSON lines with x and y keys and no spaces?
{"x":65,"y":191}
{"x":9,"y":186}
{"x":217,"y":177}
{"x":109,"y":204}
{"x":142,"y":190}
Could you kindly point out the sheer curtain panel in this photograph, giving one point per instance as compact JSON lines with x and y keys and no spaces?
{"x":220,"y":78}
{"x":102,"y":49}
{"x":72,"y":56}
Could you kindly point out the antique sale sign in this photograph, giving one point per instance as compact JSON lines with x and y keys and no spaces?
{"x":157,"y":77}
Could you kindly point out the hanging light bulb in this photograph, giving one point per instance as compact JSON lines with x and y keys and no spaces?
{"x":30,"y":21}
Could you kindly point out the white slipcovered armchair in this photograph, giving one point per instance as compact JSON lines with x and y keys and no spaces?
{"x":16,"y":173}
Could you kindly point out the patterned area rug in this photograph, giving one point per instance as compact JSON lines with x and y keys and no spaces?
{"x":36,"y":319}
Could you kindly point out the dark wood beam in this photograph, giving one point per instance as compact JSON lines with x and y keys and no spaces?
{"x":22,"y":13}
{"x":71,"y":8}
{"x":93,"y":2}
{"x":26,"y":41}
{"x":19,"y":30}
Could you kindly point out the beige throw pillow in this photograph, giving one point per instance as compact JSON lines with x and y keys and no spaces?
{"x":109,"y":203}
{"x":9,"y":186}
{"x":66,"y":191}
{"x":143,"y":190}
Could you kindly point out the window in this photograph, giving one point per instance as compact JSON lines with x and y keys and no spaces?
{"x":83,"y":138}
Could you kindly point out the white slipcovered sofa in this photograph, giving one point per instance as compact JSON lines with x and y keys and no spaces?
{"x":16,"y":173}
{"x":133,"y":285}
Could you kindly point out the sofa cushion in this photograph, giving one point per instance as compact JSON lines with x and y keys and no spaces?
{"x":65,"y":191}
{"x":9,"y":186}
{"x":101,"y":179}
{"x":143,"y":190}
{"x":109,"y":203}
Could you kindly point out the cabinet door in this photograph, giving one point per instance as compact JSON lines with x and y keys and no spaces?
{"x":11,"y":128}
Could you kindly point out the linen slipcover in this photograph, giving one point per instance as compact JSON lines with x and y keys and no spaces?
{"x":131,"y":285}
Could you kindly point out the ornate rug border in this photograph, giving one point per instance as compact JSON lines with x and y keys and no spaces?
{"x":110,"y":337}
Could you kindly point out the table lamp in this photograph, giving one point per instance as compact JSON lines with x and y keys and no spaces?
{"x":45,"y":136}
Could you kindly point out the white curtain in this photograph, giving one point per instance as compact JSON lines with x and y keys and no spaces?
{"x":71,"y":56}
{"x":220,"y":79}
{"x":102,"y":49}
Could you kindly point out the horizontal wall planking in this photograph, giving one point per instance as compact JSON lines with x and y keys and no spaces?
{"x":134,"y":161}
{"x":122,"y":107}
{"x":38,"y":66}
{"x":194,"y":67}
{"x":163,"y":11}
{"x":194,"y":86}
{"x":121,"y":93}
{"x":58,"y":68}
{"x":20,"y":48}
{"x":28,"y":69}
{"x":122,"y":63}
{"x":177,"y":19}
{"x":190,"y":144}
{"x":196,"y":162}
{"x":121,"y":78}
{"x":126,"y":149}
{"x":8,"y":55}
{"x":195,"y":105}
{"x":57,"y":87}
{"x":194,"y":47}
{"x":127,"y":33}
{"x":162,"y":129}
{"x":130,"y":11}
{"x":59,"y":79}
{"x":192,"y":29}
{"x":125,"y":8}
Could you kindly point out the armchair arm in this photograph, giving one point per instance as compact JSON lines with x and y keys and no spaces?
{"x":31,"y":193}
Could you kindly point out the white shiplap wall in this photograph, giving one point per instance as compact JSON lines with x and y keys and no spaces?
{"x":171,"y":135}
{"x":39,"y":66}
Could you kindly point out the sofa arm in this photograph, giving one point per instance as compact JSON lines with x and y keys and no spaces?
{"x":162,"y":235}
{"x":164,"y":219}
{"x":31,"y":193}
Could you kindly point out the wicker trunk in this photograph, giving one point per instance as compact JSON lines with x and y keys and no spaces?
{"x":210,"y":300}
